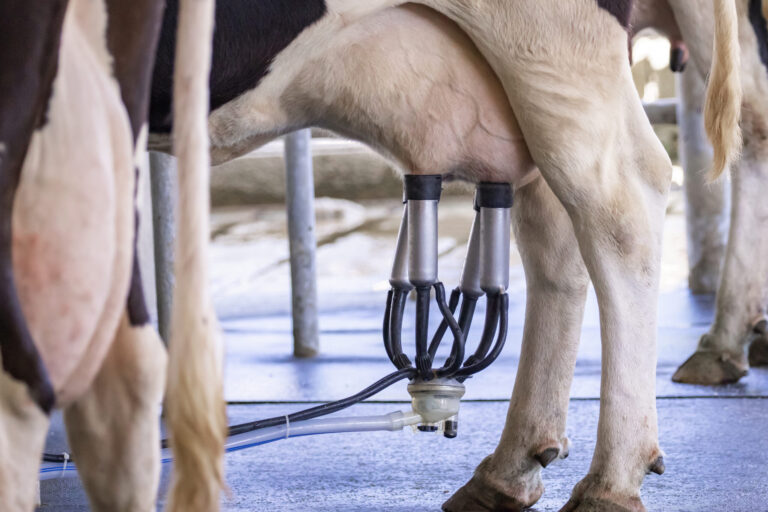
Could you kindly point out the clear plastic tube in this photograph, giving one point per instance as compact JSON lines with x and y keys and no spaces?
{"x":387,"y":422}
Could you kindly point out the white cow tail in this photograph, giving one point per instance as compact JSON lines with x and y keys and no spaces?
{"x":722,"y":109}
{"x":195,"y":408}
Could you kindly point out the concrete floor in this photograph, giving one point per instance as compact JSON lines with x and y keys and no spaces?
{"x":714,"y":438}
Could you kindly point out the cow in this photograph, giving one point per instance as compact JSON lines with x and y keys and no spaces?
{"x":556,"y":98}
{"x":455,"y":118}
{"x":742,"y":296}
{"x":74,"y":94}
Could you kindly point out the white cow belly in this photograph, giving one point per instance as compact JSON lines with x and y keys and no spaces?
{"x":72,"y":216}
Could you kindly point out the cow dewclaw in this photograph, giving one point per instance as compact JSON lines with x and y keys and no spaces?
{"x":546,"y":457}
{"x":657,"y":466}
{"x":547,"y":454}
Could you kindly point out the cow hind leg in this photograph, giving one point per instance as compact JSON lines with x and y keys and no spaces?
{"x":114,"y":428}
{"x":743,"y":293}
{"x":589,"y":136}
{"x":619,"y":228}
{"x":23,"y":426}
{"x":534,"y":434}
{"x":619,"y":224}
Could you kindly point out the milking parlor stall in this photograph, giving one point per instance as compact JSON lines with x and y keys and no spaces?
{"x":297,"y":255}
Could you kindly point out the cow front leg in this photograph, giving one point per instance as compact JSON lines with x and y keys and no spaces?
{"x":115,"y":425}
{"x":743,"y":293}
{"x":534,"y":434}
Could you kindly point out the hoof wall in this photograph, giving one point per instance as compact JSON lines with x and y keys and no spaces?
{"x":594,"y":495}
{"x":758,"y":352}
{"x":710,"y":368}
{"x":597,"y":505}
{"x":473,"y":497}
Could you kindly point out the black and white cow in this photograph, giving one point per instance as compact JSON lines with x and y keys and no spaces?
{"x":74,"y":332}
{"x":272,"y":74}
{"x":536,"y":93}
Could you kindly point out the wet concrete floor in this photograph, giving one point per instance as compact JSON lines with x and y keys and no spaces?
{"x":714,"y":437}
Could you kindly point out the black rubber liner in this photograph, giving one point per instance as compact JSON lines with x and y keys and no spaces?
{"x":422,"y":187}
{"x":493,"y":195}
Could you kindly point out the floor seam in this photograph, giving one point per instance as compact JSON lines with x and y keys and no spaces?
{"x":493,"y":400}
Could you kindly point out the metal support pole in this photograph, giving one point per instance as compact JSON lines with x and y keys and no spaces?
{"x":663,"y":111}
{"x":163,"y":178}
{"x":707,"y":205}
{"x":145,"y":240}
{"x":300,"y":203}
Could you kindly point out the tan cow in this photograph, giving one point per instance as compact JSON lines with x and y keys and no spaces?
{"x":544,"y":83}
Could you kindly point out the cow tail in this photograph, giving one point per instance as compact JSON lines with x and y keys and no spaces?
{"x":195,"y":408}
{"x":722,"y":109}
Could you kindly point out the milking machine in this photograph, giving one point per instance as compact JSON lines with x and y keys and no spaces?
{"x":486,"y":272}
{"x":436,"y":392}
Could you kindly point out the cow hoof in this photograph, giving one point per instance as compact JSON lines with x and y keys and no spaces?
{"x":476,"y":497}
{"x":485,"y":493}
{"x":758,"y":351}
{"x":590,"y":496}
{"x":599,"y":505}
{"x":711,"y":368}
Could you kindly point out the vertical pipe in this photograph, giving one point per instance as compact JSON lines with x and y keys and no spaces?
{"x":146,"y":244}
{"x":300,"y":197}
{"x":162,"y":175}
{"x":707,"y":205}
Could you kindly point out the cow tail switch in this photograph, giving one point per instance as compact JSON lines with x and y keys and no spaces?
{"x":436,"y":391}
